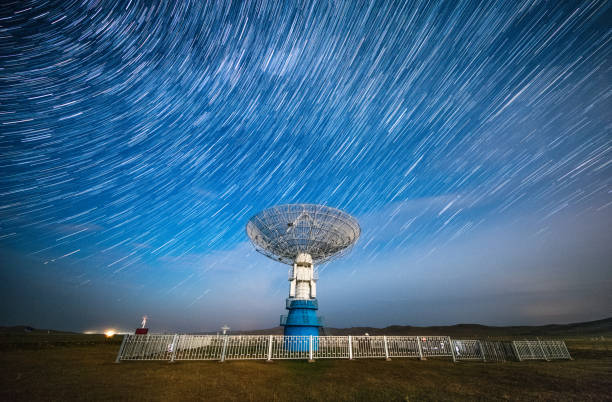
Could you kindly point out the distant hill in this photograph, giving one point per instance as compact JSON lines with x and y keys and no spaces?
{"x":590,"y":328}
{"x":26,"y":329}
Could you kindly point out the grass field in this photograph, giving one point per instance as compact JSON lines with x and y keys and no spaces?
{"x":64,"y":367}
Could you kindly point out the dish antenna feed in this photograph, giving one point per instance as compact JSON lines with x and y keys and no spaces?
{"x":302,"y":235}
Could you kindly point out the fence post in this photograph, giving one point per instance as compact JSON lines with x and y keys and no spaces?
{"x":270,"y":349}
{"x":503,"y":351}
{"x":350,"y":348}
{"x":450,"y":344}
{"x":224,"y":348}
{"x":543,"y":351}
{"x":118,"y":359}
{"x":518,"y":355}
{"x":173,"y":346}
{"x":484,"y":359}
{"x":386,"y":349}
{"x":310,"y":359}
{"x":567,"y":351}
{"x":420,"y":348}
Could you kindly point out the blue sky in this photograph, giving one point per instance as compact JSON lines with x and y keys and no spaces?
{"x":471,"y":140}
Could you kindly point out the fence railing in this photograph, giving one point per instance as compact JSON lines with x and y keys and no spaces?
{"x":541,"y":350}
{"x":272,"y":347}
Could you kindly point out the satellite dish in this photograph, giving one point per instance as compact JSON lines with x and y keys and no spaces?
{"x":285,"y":231}
{"x":302,"y":235}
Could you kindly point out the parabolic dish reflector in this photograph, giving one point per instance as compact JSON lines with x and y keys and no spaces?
{"x":284,"y":231}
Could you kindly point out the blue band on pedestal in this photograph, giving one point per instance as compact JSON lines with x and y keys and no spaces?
{"x":302,"y":319}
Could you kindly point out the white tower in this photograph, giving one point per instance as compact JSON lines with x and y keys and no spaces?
{"x":303,"y":278}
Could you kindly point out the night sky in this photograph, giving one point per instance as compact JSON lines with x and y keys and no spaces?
{"x":472,"y":141}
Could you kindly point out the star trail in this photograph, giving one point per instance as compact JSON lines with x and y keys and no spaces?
{"x":137,"y":138}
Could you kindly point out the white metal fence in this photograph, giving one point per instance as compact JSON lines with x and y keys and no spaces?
{"x":273,"y":347}
{"x":541,"y":350}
